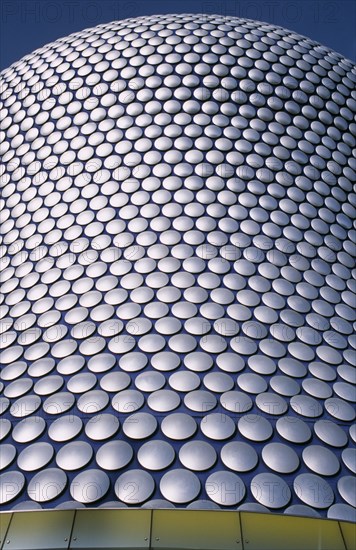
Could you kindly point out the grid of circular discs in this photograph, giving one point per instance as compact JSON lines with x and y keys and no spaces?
{"x":177,"y":248}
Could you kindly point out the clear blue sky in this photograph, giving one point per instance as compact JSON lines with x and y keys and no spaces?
{"x":29,"y":24}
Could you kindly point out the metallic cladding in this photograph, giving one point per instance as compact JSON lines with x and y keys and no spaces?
{"x":177,"y":250}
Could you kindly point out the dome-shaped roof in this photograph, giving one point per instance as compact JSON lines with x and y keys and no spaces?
{"x":177,"y":250}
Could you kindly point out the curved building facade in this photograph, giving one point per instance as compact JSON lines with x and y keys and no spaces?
{"x":177,"y":258}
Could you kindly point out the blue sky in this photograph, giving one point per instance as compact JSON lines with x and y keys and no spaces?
{"x":29,"y":24}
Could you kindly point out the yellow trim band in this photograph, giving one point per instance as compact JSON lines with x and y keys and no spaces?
{"x":139,"y":529}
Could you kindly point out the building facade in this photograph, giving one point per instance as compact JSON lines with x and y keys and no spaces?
{"x":177,"y":258}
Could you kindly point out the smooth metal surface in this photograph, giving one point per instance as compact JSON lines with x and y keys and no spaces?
{"x":28,"y":429}
{"x":255,"y":427}
{"x":35,"y":456}
{"x":114,"y":455}
{"x":40,"y":531}
{"x":289,"y":532}
{"x":270,"y":490}
{"x":217,"y":426}
{"x":191,"y":529}
{"x":195,"y":529}
{"x":139,"y":425}
{"x":74,"y":455}
{"x":197,"y":455}
{"x":239,"y":456}
{"x":47,"y":484}
{"x":7,"y":455}
{"x":280,"y":458}
{"x":180,"y":486}
{"x":178,"y":426}
{"x":347,"y":488}
{"x":89,"y":486}
{"x":102,"y":426}
{"x":321,"y":460}
{"x":156,"y":455}
{"x":225,"y":488}
{"x":313,"y":490}
{"x":4,"y":524}
{"x":114,"y":528}
{"x":293,"y":429}
{"x":134,"y":486}
{"x":65,"y":428}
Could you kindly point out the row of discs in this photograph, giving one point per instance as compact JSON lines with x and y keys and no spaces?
{"x":179,"y":486}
